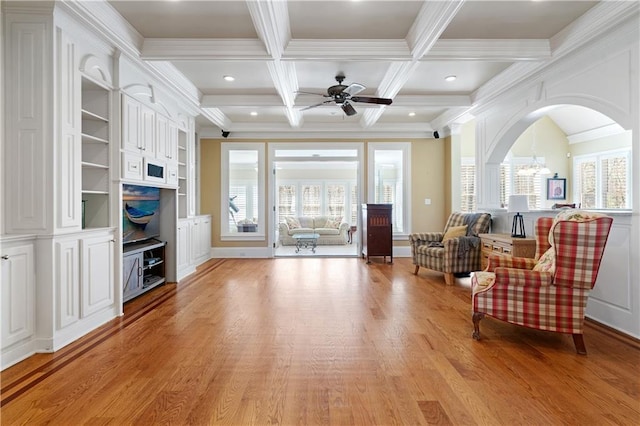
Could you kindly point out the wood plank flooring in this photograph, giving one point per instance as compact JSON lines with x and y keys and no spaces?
{"x":321,"y":341}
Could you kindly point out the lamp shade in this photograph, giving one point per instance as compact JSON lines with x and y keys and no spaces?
{"x":518,"y":204}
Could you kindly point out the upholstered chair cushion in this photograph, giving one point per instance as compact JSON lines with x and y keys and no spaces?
{"x":454,"y":232}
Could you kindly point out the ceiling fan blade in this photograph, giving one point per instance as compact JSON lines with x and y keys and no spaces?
{"x":370,"y":100}
{"x":316,"y":105}
{"x":311,"y":93}
{"x":354,"y":89}
{"x":348,"y":109}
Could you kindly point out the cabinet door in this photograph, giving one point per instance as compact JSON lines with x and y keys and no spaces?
{"x":162,"y":137}
{"x":184,"y":255}
{"x":148,"y":131}
{"x":18,"y":295}
{"x":205,"y":237}
{"x":131,"y":115}
{"x":68,"y":282}
{"x":97,"y":274}
{"x":132,"y":270}
{"x":172,"y":145}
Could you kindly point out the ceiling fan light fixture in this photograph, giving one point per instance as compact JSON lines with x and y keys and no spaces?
{"x":348,"y":109}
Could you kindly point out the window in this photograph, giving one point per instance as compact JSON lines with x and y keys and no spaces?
{"x":522,"y":176}
{"x":321,"y":198}
{"x":389,"y":183}
{"x":468,"y":184}
{"x":601,"y":181}
{"x":242,"y":195}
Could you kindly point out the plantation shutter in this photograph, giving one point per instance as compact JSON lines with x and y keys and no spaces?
{"x":311,"y":200}
{"x":467,"y":187}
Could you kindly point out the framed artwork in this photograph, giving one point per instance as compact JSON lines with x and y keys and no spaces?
{"x":556,"y":188}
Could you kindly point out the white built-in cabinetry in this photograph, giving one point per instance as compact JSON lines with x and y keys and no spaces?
{"x":194,"y":243}
{"x":17,"y":315}
{"x":149,"y":144}
{"x":95,"y":136}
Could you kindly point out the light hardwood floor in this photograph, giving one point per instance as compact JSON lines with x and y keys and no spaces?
{"x":321,"y":341}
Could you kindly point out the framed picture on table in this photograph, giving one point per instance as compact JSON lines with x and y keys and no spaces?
{"x":556,"y":188}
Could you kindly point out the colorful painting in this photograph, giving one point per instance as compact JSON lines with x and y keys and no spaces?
{"x":140,"y":212}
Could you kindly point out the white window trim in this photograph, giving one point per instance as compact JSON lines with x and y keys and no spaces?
{"x":597,"y":157}
{"x":225,"y":235}
{"x":405,"y":147}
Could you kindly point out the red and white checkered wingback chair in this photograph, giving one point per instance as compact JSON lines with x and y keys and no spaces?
{"x":459,"y":254}
{"x":549,"y":292}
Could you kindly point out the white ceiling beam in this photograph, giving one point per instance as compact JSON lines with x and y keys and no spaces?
{"x":171,"y":49}
{"x":432,"y":101}
{"x":221,"y":101}
{"x":156,"y":49}
{"x":431,"y":21}
{"x":218,"y":101}
{"x":490,"y":50}
{"x":324,"y":128}
{"x":271,"y":21}
{"x":347,"y":50}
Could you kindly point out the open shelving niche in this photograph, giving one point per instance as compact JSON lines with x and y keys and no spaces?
{"x":96,"y":139}
{"x":143,"y":267}
{"x":183,"y":174}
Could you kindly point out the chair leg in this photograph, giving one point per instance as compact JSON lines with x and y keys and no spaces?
{"x":578,"y":341}
{"x":449,"y":279}
{"x":415,"y":272}
{"x":476,"y":317}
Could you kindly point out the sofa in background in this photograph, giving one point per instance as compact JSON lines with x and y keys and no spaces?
{"x":332,"y":230}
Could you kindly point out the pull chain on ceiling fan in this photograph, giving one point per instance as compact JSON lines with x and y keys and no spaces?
{"x":343,"y":96}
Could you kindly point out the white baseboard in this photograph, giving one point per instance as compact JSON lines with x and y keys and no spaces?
{"x":240,"y":252}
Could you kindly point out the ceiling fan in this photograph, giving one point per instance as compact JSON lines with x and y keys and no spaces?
{"x":343,"y":95}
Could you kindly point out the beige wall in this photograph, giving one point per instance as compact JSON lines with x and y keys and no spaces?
{"x":427,"y":181}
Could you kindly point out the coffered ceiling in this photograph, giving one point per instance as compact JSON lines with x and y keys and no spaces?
{"x":402,"y":49}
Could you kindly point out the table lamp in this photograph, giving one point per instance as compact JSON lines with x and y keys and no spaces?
{"x":517,"y":205}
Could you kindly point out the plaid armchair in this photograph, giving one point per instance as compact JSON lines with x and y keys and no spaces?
{"x":460,"y":254}
{"x":551,"y":292}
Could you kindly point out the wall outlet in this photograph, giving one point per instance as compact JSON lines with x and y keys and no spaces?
{"x":427,"y":201}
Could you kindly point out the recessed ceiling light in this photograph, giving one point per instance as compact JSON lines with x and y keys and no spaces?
{"x":450,"y":78}
{"x":253,"y":113}
{"x":228,"y":78}
{"x":412,"y":114}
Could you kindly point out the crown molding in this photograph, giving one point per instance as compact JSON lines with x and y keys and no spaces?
{"x":154,"y":49}
{"x":348,"y":50}
{"x":217,"y":117}
{"x":490,"y":50}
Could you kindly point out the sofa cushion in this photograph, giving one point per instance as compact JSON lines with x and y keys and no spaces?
{"x":301,"y":231}
{"x":327,"y":231}
{"x":306,"y":222}
{"x":292,"y":222}
{"x":333,"y":222}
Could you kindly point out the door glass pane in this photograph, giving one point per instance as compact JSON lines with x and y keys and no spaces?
{"x":336,"y":199}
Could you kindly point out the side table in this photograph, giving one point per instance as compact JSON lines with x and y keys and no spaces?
{"x":506,"y":245}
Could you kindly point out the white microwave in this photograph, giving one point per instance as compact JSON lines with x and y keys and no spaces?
{"x":154,"y":171}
